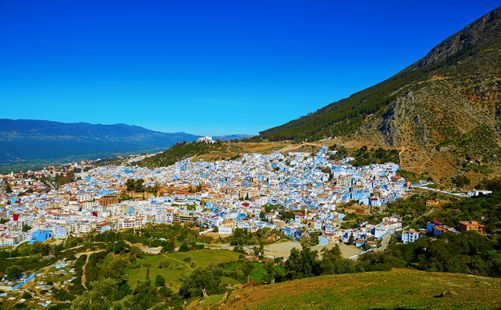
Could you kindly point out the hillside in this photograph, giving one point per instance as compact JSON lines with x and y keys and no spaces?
{"x":218,"y":151}
{"x":404,"y":289}
{"x":208,"y":152}
{"x":442,"y":112}
{"x":24,"y":142}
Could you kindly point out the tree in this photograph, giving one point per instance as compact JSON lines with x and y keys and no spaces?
{"x":159,"y":281}
{"x":148,"y":266}
{"x":201,"y":282}
{"x":302,"y":264}
{"x":130,"y":185}
{"x":164,"y":264}
{"x":333,"y":263}
{"x":143,"y":297}
{"x":351,"y":239}
{"x":461,"y":181}
{"x":138,"y":186}
{"x":165,"y":291}
{"x":113,"y":267}
{"x":13,"y":272}
{"x":99,"y":297}
{"x":270,"y":269}
{"x":135,"y":185}
{"x":239,"y":249}
{"x":184,"y":247}
{"x":169,"y":246}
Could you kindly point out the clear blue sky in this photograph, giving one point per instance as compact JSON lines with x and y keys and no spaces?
{"x":208,"y":67}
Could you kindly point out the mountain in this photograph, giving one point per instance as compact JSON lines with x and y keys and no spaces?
{"x":232,"y":137}
{"x":443,"y":112}
{"x":26,"y":142}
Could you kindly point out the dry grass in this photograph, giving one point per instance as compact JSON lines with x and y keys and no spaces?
{"x":396,"y":289}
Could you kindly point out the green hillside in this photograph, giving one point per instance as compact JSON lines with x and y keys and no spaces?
{"x":180,"y":151}
{"x":403,"y":289}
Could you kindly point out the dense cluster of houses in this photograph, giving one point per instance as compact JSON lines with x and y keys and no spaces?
{"x":224,"y":194}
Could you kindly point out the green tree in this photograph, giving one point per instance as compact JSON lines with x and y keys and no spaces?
{"x":302,"y":264}
{"x":159,"y":281}
{"x":148,"y":266}
{"x":184,"y":247}
{"x":99,"y":297}
{"x":333,"y":263}
{"x":461,"y":181}
{"x":113,"y":267}
{"x":144,"y":296}
{"x":8,"y":189}
{"x":351,"y":239}
{"x":201,"y":282}
{"x":13,"y":272}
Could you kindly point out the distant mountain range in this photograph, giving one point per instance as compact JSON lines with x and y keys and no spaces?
{"x":443,"y":112}
{"x":232,"y":137}
{"x":27,"y":143}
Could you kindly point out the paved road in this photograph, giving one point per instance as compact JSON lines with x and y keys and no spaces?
{"x":439,"y":191}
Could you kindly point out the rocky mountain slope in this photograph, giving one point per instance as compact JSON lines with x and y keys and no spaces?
{"x":443,"y":112}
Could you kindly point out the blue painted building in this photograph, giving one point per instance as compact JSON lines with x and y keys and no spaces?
{"x":40,"y":236}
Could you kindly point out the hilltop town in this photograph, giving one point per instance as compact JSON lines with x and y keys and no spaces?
{"x":297,"y":193}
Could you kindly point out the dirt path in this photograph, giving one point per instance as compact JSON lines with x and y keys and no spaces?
{"x":84,"y":267}
{"x":295,"y":147}
{"x":83,"y":271}
{"x":420,"y":217}
{"x":146,"y":249}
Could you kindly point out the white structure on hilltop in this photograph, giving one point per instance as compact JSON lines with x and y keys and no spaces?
{"x":205,"y":139}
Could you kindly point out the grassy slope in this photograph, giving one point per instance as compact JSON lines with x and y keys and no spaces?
{"x":178,"y":267}
{"x":395,"y":289}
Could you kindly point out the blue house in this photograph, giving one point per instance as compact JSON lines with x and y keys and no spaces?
{"x":323,"y":240}
{"x":434,"y":228}
{"x":40,"y":236}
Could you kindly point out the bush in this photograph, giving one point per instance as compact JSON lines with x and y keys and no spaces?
{"x":164,"y":264}
{"x":159,"y":281}
{"x":165,"y":291}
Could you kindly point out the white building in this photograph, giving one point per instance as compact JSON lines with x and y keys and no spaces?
{"x":410,"y":235}
{"x":205,"y":139}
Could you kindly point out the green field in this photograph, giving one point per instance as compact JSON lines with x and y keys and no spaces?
{"x":180,"y":264}
{"x":405,"y":289}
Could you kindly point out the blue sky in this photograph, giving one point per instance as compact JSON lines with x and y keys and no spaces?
{"x":208,"y":67}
